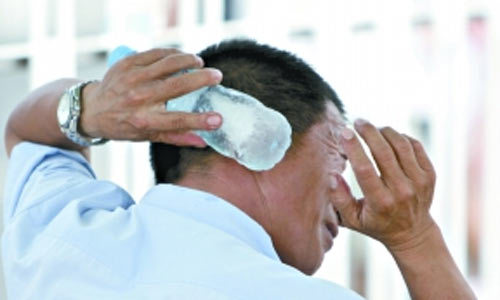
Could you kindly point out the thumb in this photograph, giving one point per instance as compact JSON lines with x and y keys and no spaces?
{"x":345,"y":203}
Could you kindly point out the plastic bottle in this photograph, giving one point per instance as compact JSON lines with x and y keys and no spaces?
{"x":254,"y":135}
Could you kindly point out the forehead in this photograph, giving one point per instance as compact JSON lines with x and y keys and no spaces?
{"x":333,"y":115}
{"x":332,"y":121}
{"x":328,"y":128}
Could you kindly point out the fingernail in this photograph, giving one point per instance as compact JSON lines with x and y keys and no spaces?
{"x":360,"y":122}
{"x":347,"y":133}
{"x":214,"y":120}
{"x":217,"y":74}
{"x":200,"y":60}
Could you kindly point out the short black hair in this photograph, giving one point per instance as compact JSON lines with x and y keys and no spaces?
{"x":279,"y":79}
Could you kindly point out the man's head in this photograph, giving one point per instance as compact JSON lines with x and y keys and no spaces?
{"x":291,"y":201}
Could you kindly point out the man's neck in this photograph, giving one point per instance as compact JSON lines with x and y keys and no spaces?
{"x":235,"y":185}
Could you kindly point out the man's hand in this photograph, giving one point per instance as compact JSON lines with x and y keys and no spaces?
{"x":129,"y":103}
{"x":395,"y":209}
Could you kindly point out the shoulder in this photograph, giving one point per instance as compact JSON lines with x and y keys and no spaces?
{"x":280,"y":281}
{"x":265,"y":279}
{"x":234,"y":269}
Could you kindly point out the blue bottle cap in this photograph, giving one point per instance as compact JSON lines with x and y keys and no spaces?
{"x":118,"y":54}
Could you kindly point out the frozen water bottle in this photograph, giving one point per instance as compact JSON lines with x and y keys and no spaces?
{"x":254,"y":135}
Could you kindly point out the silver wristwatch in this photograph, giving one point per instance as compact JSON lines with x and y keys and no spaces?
{"x":68,"y":116}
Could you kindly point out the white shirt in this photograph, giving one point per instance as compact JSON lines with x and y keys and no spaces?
{"x":70,"y":236}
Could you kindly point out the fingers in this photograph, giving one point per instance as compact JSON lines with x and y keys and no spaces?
{"x":344,"y":203}
{"x":170,"y":65}
{"x":149,"y":57}
{"x":381,"y":150}
{"x":142,"y":84}
{"x":175,"y":128}
{"x":421,"y":156}
{"x":170,"y":88}
{"x":362,"y":167}
{"x":180,"y":139}
{"x":404,"y":152}
{"x":175,"y":121}
{"x":173,"y":87}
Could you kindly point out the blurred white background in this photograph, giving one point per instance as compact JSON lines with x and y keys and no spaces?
{"x":428,"y":68}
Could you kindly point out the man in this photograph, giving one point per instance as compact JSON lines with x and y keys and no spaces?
{"x":220,"y":231}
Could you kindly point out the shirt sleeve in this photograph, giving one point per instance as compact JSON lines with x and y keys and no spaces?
{"x":59,"y":220}
{"x":48,"y":178}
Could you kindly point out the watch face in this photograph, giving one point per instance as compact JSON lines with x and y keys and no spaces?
{"x":63,"y":111}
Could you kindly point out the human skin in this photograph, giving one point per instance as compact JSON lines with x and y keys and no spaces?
{"x":395,"y":209}
{"x":301,"y":218}
{"x":127,"y":104}
{"x":296,"y":201}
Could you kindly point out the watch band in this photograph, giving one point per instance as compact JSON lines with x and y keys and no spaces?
{"x":70,"y":129}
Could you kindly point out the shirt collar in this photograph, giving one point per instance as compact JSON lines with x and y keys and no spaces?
{"x":213,"y":211}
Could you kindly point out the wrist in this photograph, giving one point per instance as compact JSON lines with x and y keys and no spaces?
{"x":428,"y":239}
{"x":88,"y":125}
{"x":428,"y":268}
